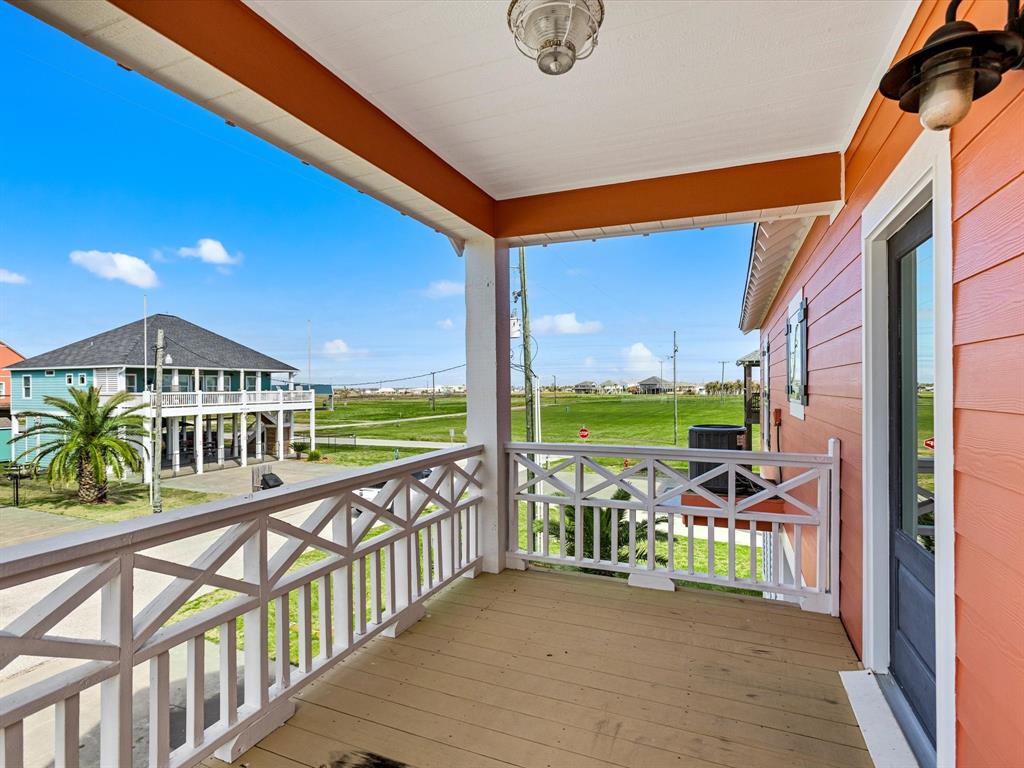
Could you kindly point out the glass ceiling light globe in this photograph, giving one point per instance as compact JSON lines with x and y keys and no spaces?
{"x":555,"y":33}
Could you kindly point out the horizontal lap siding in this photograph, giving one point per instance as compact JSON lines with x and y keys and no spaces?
{"x":988,"y":364}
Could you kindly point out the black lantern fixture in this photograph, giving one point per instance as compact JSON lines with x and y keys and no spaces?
{"x":957,"y":65}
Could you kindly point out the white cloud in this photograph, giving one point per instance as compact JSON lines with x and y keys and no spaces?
{"x":12,"y":278}
{"x":639,"y":359}
{"x":565,"y":324}
{"x":443,"y":289}
{"x":446,"y":324}
{"x":116,"y":266}
{"x":589,"y":362}
{"x":211,"y":251}
{"x":340,"y":348}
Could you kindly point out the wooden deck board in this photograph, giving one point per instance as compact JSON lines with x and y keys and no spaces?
{"x":545,"y":670}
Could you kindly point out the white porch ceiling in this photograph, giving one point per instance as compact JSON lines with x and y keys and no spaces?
{"x":673,"y":87}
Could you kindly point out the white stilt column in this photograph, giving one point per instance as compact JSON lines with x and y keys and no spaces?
{"x":175,"y":427}
{"x":147,"y":453}
{"x":312,"y":428}
{"x":197,"y":444}
{"x":488,"y":416}
{"x":243,"y":433}
{"x":220,"y":440}
{"x":258,"y":429}
{"x":280,"y":435}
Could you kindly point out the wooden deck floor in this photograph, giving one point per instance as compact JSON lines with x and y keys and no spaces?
{"x":553,"y":671}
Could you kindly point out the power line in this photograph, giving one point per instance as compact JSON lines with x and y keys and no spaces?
{"x":401,"y":378}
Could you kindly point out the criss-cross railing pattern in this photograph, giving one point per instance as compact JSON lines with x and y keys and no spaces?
{"x":637,"y":510}
{"x":343,"y":559}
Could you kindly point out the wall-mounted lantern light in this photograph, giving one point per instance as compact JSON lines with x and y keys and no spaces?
{"x":957,"y":65}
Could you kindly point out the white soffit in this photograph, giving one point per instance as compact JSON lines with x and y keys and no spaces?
{"x":673,"y":86}
{"x":114,"y":33}
{"x":772,"y":250}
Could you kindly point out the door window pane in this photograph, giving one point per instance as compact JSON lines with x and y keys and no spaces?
{"x":917,"y":392}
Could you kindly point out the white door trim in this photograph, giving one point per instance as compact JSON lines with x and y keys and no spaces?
{"x":923,"y":174}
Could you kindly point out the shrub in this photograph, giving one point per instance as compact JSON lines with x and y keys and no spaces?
{"x":314,"y":456}
{"x":300,"y":447}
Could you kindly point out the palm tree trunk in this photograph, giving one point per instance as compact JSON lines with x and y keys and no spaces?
{"x":88,"y":489}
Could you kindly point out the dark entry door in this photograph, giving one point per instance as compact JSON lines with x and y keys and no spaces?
{"x":912,"y":479}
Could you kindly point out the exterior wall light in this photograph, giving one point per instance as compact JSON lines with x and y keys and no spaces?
{"x":555,"y":33}
{"x":957,"y":65}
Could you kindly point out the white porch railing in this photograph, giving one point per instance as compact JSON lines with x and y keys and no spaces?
{"x":376,"y":562}
{"x":729,"y":513}
{"x":193,"y":400}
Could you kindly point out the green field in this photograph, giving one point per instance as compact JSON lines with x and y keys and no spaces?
{"x":619,"y":419}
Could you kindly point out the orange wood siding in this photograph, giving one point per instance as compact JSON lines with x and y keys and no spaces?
{"x":988,"y":307}
{"x":988,"y":419}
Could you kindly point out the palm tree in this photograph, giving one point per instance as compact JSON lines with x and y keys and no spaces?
{"x":85,"y":437}
{"x":605,"y":517}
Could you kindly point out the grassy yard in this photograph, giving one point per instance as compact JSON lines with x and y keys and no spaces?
{"x":620,"y":419}
{"x":364,"y":455}
{"x":352,"y":410}
{"x":126,"y":500}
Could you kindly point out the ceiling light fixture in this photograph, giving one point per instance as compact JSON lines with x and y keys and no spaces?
{"x":555,"y":33}
{"x":957,"y":65}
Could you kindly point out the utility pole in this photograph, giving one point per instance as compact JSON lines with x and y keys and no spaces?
{"x":527,"y":351}
{"x":675,"y":392}
{"x":721,"y":388}
{"x":158,"y":448}
{"x":309,"y":352}
{"x":433,"y":390}
{"x":554,"y":385}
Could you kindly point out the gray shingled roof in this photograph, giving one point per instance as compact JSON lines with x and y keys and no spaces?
{"x":188,"y":345}
{"x":751,"y":357}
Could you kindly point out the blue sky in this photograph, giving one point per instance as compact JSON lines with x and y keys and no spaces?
{"x":111,"y":187}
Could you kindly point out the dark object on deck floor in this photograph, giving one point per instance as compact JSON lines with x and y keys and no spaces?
{"x":270,"y":480}
{"x":366,"y":760}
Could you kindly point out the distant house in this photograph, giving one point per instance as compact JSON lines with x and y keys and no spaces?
{"x":610,"y":387}
{"x":7,"y":358}
{"x":687,"y":388}
{"x":218,"y":405}
{"x":654,"y":385}
{"x":585,"y":388}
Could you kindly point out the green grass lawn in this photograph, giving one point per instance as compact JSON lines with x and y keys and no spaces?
{"x":358,"y":409}
{"x":620,"y":419}
{"x":126,"y":500}
{"x":364,"y":455}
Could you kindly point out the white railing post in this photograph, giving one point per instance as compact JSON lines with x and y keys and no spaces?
{"x":834,"y":450}
{"x":116,"y":692}
{"x":256,"y":622}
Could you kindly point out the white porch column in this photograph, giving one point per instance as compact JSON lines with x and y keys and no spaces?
{"x":488,"y":417}
{"x":280,"y":435}
{"x":174,"y":380}
{"x":197,"y":444}
{"x":243,"y":437}
{"x":258,"y":429}
{"x":235,"y":449}
{"x":220,"y":439}
{"x":175,"y":427}
{"x":312,"y":427}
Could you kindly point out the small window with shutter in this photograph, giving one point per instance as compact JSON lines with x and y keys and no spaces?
{"x":796,"y":356}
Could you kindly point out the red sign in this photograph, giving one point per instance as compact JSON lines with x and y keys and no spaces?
{"x":930,"y":443}
{"x":584,"y":433}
